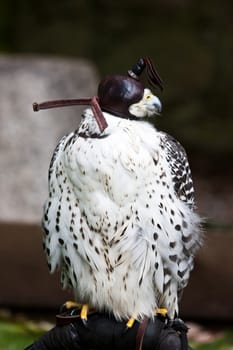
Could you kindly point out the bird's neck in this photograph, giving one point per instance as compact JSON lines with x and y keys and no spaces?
{"x":89,"y":127}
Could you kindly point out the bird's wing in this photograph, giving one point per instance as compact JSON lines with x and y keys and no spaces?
{"x":53,"y":214}
{"x":182,"y":228}
{"x":56,"y":154}
{"x":179,"y":166}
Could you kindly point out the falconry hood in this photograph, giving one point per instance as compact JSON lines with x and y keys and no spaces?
{"x":115,"y":93}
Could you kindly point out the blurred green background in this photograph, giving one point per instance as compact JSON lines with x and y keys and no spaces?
{"x":191,"y":43}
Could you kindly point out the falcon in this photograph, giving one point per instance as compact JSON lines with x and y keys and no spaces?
{"x":119,"y":221}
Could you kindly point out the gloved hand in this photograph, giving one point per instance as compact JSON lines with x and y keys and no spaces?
{"x":103,"y":332}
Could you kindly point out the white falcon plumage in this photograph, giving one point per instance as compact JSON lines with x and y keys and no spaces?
{"x":119,"y":220}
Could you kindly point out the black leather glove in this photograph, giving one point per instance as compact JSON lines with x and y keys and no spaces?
{"x":103,"y":332}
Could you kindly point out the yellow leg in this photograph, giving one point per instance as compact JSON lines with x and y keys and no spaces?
{"x":74,"y":305}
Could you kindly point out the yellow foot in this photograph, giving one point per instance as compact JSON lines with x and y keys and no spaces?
{"x":84,"y":308}
{"x":130,"y":323}
{"x":84,"y":312}
{"x":72,"y":305}
{"x":160,"y":311}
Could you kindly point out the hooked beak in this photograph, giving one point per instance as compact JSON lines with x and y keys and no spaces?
{"x":157,"y":106}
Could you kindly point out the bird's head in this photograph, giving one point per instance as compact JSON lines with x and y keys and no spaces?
{"x":123,"y":96}
{"x":127,"y":97}
{"x":148,"y":106}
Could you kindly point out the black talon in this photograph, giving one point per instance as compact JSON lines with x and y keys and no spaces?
{"x":62,"y":308}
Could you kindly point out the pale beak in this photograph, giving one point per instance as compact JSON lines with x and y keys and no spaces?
{"x":157,"y":104}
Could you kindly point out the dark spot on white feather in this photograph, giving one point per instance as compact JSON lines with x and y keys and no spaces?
{"x":123,"y":232}
{"x":173,"y":257}
{"x":75,"y":277}
{"x":155,"y":236}
{"x":67,"y":260}
{"x":172,"y":244}
{"x":186,"y":239}
{"x":61,"y":241}
{"x":46,"y":230}
{"x":119,"y":257}
{"x":97,"y":250}
{"x":140,"y":281}
{"x":181,"y":273}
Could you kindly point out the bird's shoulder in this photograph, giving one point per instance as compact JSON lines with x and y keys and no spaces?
{"x":59,"y":150}
{"x":177,"y":160}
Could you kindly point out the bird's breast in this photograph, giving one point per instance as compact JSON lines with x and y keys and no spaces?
{"x":116,"y":168}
